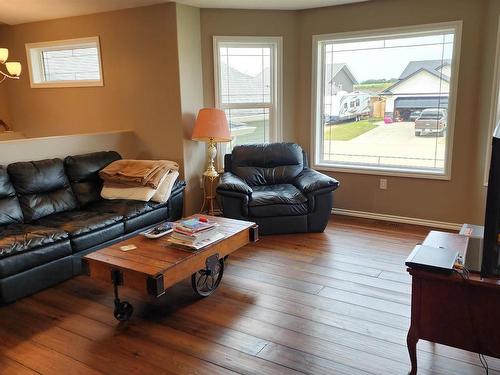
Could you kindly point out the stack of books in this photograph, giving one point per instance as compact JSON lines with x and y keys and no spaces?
{"x":195,"y":234}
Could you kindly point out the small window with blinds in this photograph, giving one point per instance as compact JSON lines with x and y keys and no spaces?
{"x":66,"y":63}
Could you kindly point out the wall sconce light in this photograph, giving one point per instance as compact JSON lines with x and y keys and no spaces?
{"x":13,"y":67}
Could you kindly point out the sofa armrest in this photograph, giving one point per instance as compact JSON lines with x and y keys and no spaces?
{"x":229,"y":182}
{"x":309,"y":181}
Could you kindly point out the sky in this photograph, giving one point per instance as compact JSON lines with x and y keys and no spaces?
{"x":367,"y":59}
{"x":387,"y":62}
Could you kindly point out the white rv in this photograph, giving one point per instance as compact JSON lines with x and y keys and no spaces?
{"x":344,"y":106}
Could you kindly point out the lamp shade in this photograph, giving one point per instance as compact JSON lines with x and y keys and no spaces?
{"x":211,"y":123}
{"x":4,"y":55}
{"x":14,"y":68}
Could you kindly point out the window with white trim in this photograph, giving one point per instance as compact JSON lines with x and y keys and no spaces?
{"x":248,"y":87}
{"x":384,"y":100}
{"x":65,"y":63}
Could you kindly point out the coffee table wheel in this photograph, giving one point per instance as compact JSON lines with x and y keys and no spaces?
{"x":123,"y":311}
{"x":205,"y":281}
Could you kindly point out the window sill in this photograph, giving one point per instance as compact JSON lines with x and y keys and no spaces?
{"x":45,"y":85}
{"x":383,"y":171}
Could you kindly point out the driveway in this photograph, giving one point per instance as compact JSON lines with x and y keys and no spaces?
{"x":390,"y":144}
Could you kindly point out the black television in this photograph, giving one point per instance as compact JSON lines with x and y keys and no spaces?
{"x":491,"y":245}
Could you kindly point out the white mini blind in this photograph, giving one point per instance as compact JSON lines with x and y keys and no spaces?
{"x":66,"y":63}
{"x":72,"y":64}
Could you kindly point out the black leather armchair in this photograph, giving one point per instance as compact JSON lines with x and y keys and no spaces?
{"x":272,"y":185}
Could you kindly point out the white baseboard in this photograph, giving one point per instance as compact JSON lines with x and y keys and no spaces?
{"x":397,"y":219}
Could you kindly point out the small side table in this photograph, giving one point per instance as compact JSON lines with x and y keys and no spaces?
{"x":209,"y":196}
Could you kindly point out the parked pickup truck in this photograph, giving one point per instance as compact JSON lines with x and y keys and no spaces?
{"x":431,"y":121}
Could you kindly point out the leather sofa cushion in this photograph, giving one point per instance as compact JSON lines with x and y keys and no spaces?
{"x":77,"y":223}
{"x":82,"y":171}
{"x":277,"y":200}
{"x":123,"y":207}
{"x":19,"y":238}
{"x":267,"y":164}
{"x":86,"y":228}
{"x":15,"y":264}
{"x":136,"y":214}
{"x":43,"y":188}
{"x":97,"y":237}
{"x":10,"y":210}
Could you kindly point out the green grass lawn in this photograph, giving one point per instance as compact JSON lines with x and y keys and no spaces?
{"x":372,"y":87}
{"x":348,"y":131}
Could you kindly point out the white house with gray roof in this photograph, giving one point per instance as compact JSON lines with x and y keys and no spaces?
{"x":422,"y":84}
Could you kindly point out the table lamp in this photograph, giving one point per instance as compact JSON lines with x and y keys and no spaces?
{"x":211,"y":126}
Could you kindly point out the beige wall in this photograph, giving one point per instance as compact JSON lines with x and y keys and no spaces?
{"x":136,"y":45}
{"x":487,"y":96}
{"x":191,"y":89}
{"x":449,"y":201}
{"x":4,"y":99}
{"x":123,"y":141}
{"x":144,"y":89}
{"x":458,"y":200}
{"x":224,"y":22}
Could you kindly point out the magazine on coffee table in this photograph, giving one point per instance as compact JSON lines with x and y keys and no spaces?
{"x":196,"y":245}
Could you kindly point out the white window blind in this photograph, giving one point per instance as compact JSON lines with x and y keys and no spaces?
{"x":65,"y":63}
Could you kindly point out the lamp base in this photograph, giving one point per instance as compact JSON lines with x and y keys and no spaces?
{"x":212,"y":153}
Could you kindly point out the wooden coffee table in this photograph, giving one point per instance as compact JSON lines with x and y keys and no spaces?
{"x":156,"y":265}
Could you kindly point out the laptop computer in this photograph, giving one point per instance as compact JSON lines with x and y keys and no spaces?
{"x":437,"y":259}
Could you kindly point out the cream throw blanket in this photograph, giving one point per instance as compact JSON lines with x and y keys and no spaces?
{"x":138,"y":172}
{"x":142,"y":193}
{"x":138,"y":180}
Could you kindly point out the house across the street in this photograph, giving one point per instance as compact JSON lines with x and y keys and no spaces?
{"x":423,"y":84}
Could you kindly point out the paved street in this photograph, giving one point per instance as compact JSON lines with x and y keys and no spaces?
{"x":390,"y":144}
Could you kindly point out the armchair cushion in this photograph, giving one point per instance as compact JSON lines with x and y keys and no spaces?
{"x":230,"y":182}
{"x":310,"y":180}
{"x":267,"y":164}
{"x":277,"y":200}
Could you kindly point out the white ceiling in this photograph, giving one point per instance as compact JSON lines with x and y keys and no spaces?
{"x":14,"y":12}
{"x":266,"y":4}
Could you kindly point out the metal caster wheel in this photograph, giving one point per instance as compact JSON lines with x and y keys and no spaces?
{"x":123,"y":311}
{"x":205,"y":281}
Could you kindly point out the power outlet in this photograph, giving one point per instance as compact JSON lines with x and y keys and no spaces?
{"x":383,"y":184}
{"x":201,"y":183}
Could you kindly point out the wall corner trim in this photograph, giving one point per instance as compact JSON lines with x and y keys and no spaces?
{"x":397,"y":219}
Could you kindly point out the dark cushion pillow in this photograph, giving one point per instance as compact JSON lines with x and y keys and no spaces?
{"x":10,"y":210}
{"x":43,"y":188}
{"x":83,"y":174}
{"x":267,"y":164}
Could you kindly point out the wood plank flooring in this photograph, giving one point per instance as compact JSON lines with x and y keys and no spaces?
{"x":330,"y":303}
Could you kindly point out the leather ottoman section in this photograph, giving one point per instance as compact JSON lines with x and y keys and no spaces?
{"x":89,"y":239}
{"x":33,"y":258}
{"x":31,"y":281}
{"x":146,"y":219}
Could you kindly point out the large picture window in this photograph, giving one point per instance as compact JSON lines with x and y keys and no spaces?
{"x":248,"y":87}
{"x":384,"y":100}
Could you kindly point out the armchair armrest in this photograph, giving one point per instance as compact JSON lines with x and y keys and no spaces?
{"x":309,"y":181}
{"x":231,"y":183}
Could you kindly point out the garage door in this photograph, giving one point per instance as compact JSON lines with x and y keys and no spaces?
{"x":422,"y":102}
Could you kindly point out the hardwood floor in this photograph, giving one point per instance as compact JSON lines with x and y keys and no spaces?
{"x":329,"y":303}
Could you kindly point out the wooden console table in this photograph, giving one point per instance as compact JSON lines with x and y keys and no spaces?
{"x":449,"y":310}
